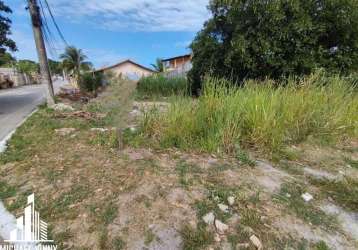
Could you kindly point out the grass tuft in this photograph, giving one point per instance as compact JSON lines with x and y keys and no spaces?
{"x":194,"y":239}
{"x":290,"y":195}
{"x":261,"y":115}
{"x":159,"y":86}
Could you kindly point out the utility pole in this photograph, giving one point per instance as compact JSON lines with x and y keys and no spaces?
{"x":41,"y":49}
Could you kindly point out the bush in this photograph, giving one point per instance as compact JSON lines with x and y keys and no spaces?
{"x":159,"y":85}
{"x":90,"y":81}
{"x":259,"y":115}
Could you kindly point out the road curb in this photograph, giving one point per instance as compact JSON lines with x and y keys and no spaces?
{"x":3,"y":143}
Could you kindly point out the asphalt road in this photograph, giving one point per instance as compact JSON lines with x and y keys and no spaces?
{"x":16,"y":104}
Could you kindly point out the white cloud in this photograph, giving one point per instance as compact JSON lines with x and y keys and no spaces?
{"x":136,"y":15}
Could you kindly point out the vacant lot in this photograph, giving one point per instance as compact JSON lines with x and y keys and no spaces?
{"x":104,"y":179}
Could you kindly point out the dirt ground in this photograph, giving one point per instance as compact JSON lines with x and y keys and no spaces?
{"x":97,"y":192}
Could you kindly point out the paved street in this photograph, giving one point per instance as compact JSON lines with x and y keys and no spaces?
{"x":16,"y":104}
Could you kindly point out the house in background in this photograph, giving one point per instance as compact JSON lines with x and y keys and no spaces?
{"x":177,"y":66}
{"x":127,"y":69}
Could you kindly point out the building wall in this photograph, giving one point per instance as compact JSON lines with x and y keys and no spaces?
{"x":129,"y":71}
{"x":177,"y":63}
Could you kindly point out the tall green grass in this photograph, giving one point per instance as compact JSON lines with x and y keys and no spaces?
{"x":158,"y":85}
{"x":260,"y":115}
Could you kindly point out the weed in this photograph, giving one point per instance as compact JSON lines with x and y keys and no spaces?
{"x":251,"y":218}
{"x":344,"y":192}
{"x":118,"y":243}
{"x":244,"y":157}
{"x":159,"y":85}
{"x":103,"y":239}
{"x":290,"y":195}
{"x":194,"y":239}
{"x":149,"y":237}
{"x":321,"y":246}
{"x":351,"y":162}
{"x":6,"y":191}
{"x":78,"y":193}
{"x":109,"y":213}
{"x":108,"y":139}
{"x":187,"y":173}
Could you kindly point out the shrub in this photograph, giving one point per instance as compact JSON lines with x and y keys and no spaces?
{"x":259,"y":115}
{"x":159,"y":85}
{"x":90,"y":81}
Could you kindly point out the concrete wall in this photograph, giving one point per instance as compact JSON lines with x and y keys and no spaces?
{"x":129,"y":71}
{"x":16,"y":77}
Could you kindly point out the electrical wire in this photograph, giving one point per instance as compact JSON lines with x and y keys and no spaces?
{"x":55,"y":23}
{"x":48,"y":35}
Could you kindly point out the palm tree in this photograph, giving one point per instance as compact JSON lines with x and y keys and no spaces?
{"x":158,"y":66}
{"x":73,"y":61}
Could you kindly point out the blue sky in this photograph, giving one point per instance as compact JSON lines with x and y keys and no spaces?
{"x":112,"y":30}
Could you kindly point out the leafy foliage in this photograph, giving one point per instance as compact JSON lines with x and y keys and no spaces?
{"x":74,"y":61}
{"x":6,"y":59}
{"x":158,"y":66}
{"x":257,"y":39}
{"x":55,"y":67}
{"x":27,"y":66}
{"x":5,"y":24}
{"x":90,"y":81}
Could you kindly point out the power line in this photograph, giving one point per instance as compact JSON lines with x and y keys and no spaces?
{"x":55,"y":23}
{"x":47,"y":33}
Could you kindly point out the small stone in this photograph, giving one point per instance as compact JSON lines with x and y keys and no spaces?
{"x":242,"y":245}
{"x":212,"y":161}
{"x":99,"y":129}
{"x":62,"y":107}
{"x":288,"y":195}
{"x":64,"y":131}
{"x":216,"y":198}
{"x":132,"y":129}
{"x":209,"y":218}
{"x":226,"y":246}
{"x":307,"y":197}
{"x":248,"y":230}
{"x":221,"y":227}
{"x":223,"y":208}
{"x":231,"y":200}
{"x":256,"y":242}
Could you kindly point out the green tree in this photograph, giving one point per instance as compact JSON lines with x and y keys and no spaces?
{"x":6,"y":59}
{"x":55,"y":67}
{"x":27,"y":66}
{"x":257,"y":38}
{"x":74,"y":61}
{"x":5,"y":24}
{"x":158,"y":65}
